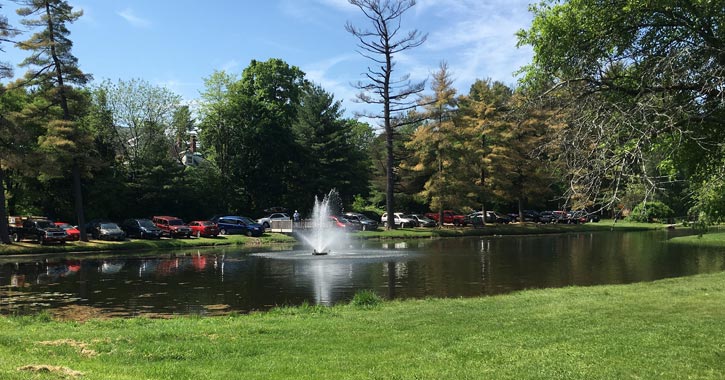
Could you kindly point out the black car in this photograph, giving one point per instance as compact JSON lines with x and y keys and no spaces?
{"x":141,"y":228}
{"x":361,"y":221}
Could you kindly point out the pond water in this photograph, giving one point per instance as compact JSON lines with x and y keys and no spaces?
{"x":214,"y":281}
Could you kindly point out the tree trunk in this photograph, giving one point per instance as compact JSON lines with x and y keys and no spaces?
{"x":521,"y":210}
{"x":78,"y":198}
{"x":4,"y":232}
{"x":390,"y":180}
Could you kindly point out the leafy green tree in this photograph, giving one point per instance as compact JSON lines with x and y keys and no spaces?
{"x":247,"y":123}
{"x":218,"y":134}
{"x":53,"y":70}
{"x":142,"y":114}
{"x":182,"y":124}
{"x":381,"y":44}
{"x":642,"y":85}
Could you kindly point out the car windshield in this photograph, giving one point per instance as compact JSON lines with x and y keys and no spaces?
{"x":175,"y":222}
{"x":246,"y":220}
{"x":146,"y":223}
{"x":108,"y":226}
{"x":65,"y":226}
{"x":207,"y":224}
{"x":45,"y":224}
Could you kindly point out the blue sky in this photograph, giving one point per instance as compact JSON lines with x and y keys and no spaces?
{"x":178,"y":43}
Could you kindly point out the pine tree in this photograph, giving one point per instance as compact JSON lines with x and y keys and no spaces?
{"x":52,"y":71}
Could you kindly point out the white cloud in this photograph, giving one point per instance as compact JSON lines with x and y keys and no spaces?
{"x":342,"y":5}
{"x":129,"y":15}
{"x":230,"y":66}
{"x":481,"y":42}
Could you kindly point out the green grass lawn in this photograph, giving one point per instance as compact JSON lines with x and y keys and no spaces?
{"x":714,"y":238}
{"x":669,"y":329}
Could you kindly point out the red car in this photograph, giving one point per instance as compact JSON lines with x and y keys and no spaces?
{"x":73,"y":233}
{"x":342,"y":223}
{"x":204,"y":228}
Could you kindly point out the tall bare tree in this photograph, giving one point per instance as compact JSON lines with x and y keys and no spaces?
{"x":380,"y":44}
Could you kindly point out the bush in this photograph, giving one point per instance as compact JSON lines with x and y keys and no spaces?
{"x":650,"y":211}
{"x":366,"y":299}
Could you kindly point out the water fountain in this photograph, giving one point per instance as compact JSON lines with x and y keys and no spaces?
{"x":324,"y":235}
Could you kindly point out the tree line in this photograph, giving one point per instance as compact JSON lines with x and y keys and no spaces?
{"x":599,"y":121}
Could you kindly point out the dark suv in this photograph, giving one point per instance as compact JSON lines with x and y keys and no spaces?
{"x":172,"y":226}
{"x":233,"y":224}
{"x":141,"y":228}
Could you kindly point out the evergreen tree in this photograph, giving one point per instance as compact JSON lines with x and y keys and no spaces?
{"x":333,"y":150}
{"x":53,"y":70}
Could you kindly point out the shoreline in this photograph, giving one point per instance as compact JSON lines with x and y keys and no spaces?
{"x":273,"y":239}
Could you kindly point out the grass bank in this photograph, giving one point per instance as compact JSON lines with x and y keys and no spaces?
{"x":269,"y":239}
{"x":670,"y":329}
{"x":714,"y":238}
{"x":510,"y":229}
{"x":139,"y":244}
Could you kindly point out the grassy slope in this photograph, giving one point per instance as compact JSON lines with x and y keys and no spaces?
{"x":715,"y":238}
{"x":670,"y":329}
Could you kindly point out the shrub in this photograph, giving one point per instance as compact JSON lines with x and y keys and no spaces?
{"x":650,"y":211}
{"x":366,"y":299}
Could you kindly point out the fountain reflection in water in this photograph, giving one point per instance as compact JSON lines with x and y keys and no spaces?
{"x":324,"y":236}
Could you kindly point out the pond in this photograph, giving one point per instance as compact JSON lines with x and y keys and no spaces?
{"x":216,"y":281}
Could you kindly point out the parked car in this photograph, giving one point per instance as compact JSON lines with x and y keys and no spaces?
{"x":583,"y":216}
{"x":41,"y":230}
{"x":343,"y":223}
{"x":108,"y":231}
{"x":423,"y":221}
{"x":363,"y":222}
{"x":204,"y":228}
{"x":449,"y":217}
{"x":531,"y":216}
{"x":266,"y":222}
{"x":141,"y":228}
{"x":476,"y":219}
{"x":73,"y":234}
{"x":400,"y":219}
{"x":234,"y":224}
{"x":172,"y":226}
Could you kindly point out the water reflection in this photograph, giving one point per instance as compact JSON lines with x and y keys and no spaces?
{"x":208,"y":282}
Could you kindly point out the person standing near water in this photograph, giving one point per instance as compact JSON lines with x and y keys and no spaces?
{"x":296,"y":217}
